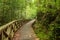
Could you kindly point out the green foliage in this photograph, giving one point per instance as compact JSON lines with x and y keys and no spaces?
{"x":48,"y":15}
{"x":41,"y":32}
{"x":16,"y":9}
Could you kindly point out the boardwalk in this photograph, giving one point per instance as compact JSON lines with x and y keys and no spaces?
{"x":26,"y":32}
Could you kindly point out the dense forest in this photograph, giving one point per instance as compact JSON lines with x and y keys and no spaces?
{"x":16,"y":9}
{"x":48,"y":16}
{"x":46,"y":13}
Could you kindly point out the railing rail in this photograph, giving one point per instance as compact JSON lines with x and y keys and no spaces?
{"x":7,"y":31}
{"x":6,"y":25}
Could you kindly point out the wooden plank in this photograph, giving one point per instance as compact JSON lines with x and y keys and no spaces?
{"x":5,"y":26}
{"x":11,"y":34}
{"x":8,"y":31}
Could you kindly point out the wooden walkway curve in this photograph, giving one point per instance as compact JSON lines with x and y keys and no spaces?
{"x":26,"y":32}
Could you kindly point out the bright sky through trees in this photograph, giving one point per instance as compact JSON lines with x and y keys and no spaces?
{"x":33,"y":1}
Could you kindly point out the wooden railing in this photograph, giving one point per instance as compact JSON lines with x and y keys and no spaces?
{"x":7,"y":31}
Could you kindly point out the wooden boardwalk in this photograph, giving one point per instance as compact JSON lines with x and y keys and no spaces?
{"x":26,"y":32}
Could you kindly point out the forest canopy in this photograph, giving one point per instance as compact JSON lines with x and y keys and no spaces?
{"x":16,"y":9}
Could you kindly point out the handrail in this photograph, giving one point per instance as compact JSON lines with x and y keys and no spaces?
{"x":6,"y":25}
{"x":7,"y":31}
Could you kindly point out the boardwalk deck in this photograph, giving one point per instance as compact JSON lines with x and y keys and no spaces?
{"x":25,"y":32}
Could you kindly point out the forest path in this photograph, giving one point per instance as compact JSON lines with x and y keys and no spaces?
{"x":26,"y":32}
